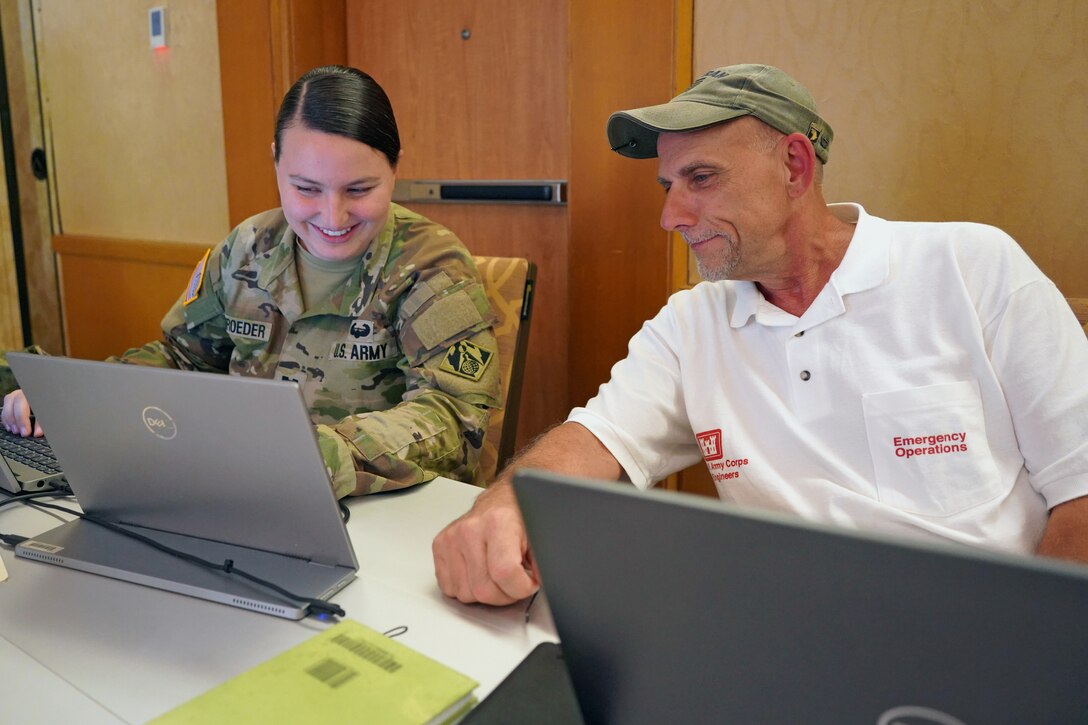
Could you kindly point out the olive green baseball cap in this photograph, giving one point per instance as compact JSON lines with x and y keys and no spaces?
{"x":720,"y":95}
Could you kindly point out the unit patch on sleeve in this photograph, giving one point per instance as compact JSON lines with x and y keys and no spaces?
{"x":466,"y":359}
{"x":192,"y":291}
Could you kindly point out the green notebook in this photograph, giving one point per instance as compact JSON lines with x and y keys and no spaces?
{"x":349,"y":672}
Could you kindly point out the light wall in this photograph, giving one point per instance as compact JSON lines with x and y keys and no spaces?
{"x":942,"y":109}
{"x":136,"y":135}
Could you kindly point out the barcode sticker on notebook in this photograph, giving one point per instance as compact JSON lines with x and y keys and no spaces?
{"x":331,"y":672}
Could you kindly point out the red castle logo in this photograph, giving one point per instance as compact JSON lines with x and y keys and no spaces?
{"x":711,"y":443}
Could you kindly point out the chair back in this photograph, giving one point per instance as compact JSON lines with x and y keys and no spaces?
{"x":509,"y":283}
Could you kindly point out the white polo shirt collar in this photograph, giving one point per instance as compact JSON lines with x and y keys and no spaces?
{"x":864,"y":266}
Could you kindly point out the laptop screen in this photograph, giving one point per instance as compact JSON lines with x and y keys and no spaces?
{"x":676,"y":608}
{"x":216,"y":459}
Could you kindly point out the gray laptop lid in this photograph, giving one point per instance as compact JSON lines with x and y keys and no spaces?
{"x":218,"y":459}
{"x":673,"y":608}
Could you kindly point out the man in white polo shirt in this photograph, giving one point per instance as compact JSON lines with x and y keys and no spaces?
{"x":917,"y":378}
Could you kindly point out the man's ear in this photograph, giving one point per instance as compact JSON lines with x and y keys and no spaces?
{"x":273,"y":151}
{"x":801,"y":160}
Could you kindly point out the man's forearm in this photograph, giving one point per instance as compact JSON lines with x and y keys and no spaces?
{"x":568,"y":448}
{"x":1066,"y":533}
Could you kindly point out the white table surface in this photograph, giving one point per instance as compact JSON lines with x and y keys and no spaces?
{"x":78,"y":647}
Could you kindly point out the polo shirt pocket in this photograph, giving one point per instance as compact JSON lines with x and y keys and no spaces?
{"x":929,"y":448}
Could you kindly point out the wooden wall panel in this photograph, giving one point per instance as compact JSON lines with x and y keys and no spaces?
{"x":492,"y":106}
{"x":264,"y":46}
{"x":116,"y":291}
{"x":620,"y":58}
{"x":489,"y":107}
{"x":11,"y":325}
{"x":251,"y":97}
{"x":942,"y":109}
{"x":306,"y":34}
{"x":33,"y":212}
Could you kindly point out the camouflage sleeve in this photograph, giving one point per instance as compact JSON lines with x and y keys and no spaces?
{"x":7,"y":378}
{"x":194,"y":333}
{"x":448,"y":348}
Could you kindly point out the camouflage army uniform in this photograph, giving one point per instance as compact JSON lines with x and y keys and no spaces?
{"x":398,"y":367}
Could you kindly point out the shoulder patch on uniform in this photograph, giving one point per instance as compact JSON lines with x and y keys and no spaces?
{"x":446,"y":317}
{"x":192,"y":291}
{"x":466,"y":359}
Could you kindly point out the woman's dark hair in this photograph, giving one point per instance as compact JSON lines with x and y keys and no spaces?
{"x":343,"y":101}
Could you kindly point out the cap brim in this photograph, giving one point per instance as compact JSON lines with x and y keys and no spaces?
{"x":634,"y":133}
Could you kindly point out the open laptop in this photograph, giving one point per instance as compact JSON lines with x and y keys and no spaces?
{"x":674,"y":608}
{"x":219,"y":466}
{"x":27,"y":464}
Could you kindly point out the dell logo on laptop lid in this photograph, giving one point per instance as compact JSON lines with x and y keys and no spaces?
{"x":159,"y":422}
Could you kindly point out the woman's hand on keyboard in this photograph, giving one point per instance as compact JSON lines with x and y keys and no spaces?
{"x":16,"y":415}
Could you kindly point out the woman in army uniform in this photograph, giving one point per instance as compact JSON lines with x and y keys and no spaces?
{"x":376,"y":312}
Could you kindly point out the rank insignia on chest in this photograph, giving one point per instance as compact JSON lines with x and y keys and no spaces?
{"x":192,"y":291}
{"x":467,"y":359}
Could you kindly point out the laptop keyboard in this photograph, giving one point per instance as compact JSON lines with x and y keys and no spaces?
{"x":30,"y":451}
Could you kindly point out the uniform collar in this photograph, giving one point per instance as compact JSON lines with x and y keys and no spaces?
{"x":360,"y":286}
{"x":279,"y":275}
{"x":864,"y":266}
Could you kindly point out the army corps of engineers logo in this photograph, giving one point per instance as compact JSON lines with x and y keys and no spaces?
{"x":710,"y":441}
{"x":467,"y":359}
{"x":159,"y":422}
